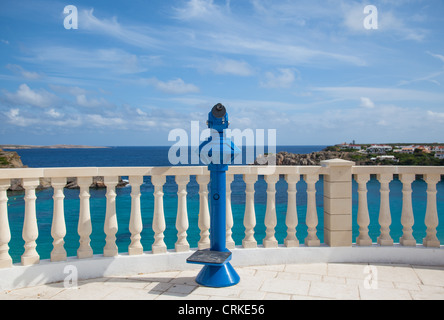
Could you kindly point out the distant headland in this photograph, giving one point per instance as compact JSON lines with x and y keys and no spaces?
{"x":57,"y":146}
{"x":364,"y":154}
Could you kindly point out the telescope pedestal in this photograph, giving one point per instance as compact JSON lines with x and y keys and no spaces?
{"x":217,"y":271}
{"x":218,"y":276}
{"x":220,"y":151}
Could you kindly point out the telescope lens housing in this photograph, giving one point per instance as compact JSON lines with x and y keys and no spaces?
{"x":219,"y":111}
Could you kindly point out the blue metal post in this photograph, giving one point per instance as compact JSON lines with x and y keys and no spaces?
{"x":217,"y":271}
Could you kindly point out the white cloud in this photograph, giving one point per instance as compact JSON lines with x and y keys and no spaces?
{"x":439,"y":116}
{"x":20,"y":71}
{"x":27,"y":96}
{"x":136,"y":36}
{"x":175,"y":86}
{"x":280,"y":41}
{"x":437,"y":56}
{"x":54,"y":114}
{"x":101,"y":121}
{"x":284,"y":79}
{"x":114,"y":61}
{"x":83,"y":101}
{"x":367,"y":103}
{"x":380,"y":94}
{"x":389,"y":21}
{"x":74,"y":91}
{"x":201,"y":10}
{"x":16,"y":119}
{"x":234,"y":67}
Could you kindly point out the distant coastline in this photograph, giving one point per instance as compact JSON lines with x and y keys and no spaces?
{"x":57,"y":146}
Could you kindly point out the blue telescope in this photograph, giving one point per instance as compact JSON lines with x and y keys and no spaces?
{"x":217,"y":152}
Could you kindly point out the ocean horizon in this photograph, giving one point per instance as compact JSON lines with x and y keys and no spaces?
{"x":158,"y":156}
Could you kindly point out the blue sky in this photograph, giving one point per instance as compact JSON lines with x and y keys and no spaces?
{"x":135,"y":70}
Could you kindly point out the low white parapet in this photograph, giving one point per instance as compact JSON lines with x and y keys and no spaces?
{"x":338,"y":247}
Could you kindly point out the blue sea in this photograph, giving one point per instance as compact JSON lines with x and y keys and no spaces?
{"x":158,"y":156}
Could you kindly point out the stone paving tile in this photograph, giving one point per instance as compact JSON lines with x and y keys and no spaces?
{"x":280,"y":282}
{"x":334,"y":291}
{"x":433,"y":276}
{"x":286,"y":286}
{"x":384,"y":294}
{"x":309,"y":268}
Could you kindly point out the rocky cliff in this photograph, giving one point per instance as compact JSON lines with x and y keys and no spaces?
{"x":10,"y":160}
{"x":292,"y":159}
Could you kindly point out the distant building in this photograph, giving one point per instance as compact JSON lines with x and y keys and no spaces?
{"x":350,"y":146}
{"x":407,"y":150}
{"x":424,"y":149}
{"x":437,"y":148}
{"x":439,"y":155}
{"x":391,"y":158}
{"x":379,"y":149}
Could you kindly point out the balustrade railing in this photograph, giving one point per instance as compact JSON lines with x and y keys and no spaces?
{"x":337,"y":176}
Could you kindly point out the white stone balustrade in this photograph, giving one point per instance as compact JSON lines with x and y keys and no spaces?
{"x":111,"y":226}
{"x":85,"y":226}
{"x":5,"y":233}
{"x":58,"y":230}
{"x":291,"y":219}
{"x":182,"y":224}
{"x":136,"y":225}
{"x":407,"y":218}
{"x":230,"y":223}
{"x":204,"y":212}
{"x":336,"y":175}
{"x":30,"y":227}
{"x":250,"y":214}
{"x":363,"y":216}
{"x":159,"y":225}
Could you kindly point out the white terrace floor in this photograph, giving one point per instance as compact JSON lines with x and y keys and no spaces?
{"x":278,"y":282}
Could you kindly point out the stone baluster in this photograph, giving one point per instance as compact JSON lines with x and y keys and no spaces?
{"x":58,"y":229}
{"x":312,"y":239}
{"x":250,"y":216}
{"x":407,"y":219}
{"x":159,"y":225}
{"x":30,"y":228}
{"x":385,"y":219}
{"x":182,"y":225}
{"x":85,"y":226}
{"x":111,"y":226}
{"x":431,"y":218}
{"x":363,"y":239}
{"x":230,"y":223}
{"x":5,"y":232}
{"x":135,"y":225}
{"x":270,"y":213}
{"x":204,"y":212}
{"x":291,"y":219}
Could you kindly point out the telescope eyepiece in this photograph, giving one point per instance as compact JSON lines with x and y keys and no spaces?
{"x":219,"y":111}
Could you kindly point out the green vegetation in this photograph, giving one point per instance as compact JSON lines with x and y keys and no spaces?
{"x":418,"y":158}
{"x":3,"y":161}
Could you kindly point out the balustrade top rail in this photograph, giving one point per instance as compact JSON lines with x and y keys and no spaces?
{"x":26,"y":173}
{"x":338,"y":175}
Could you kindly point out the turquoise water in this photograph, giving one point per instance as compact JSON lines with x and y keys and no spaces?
{"x":123,"y":203}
